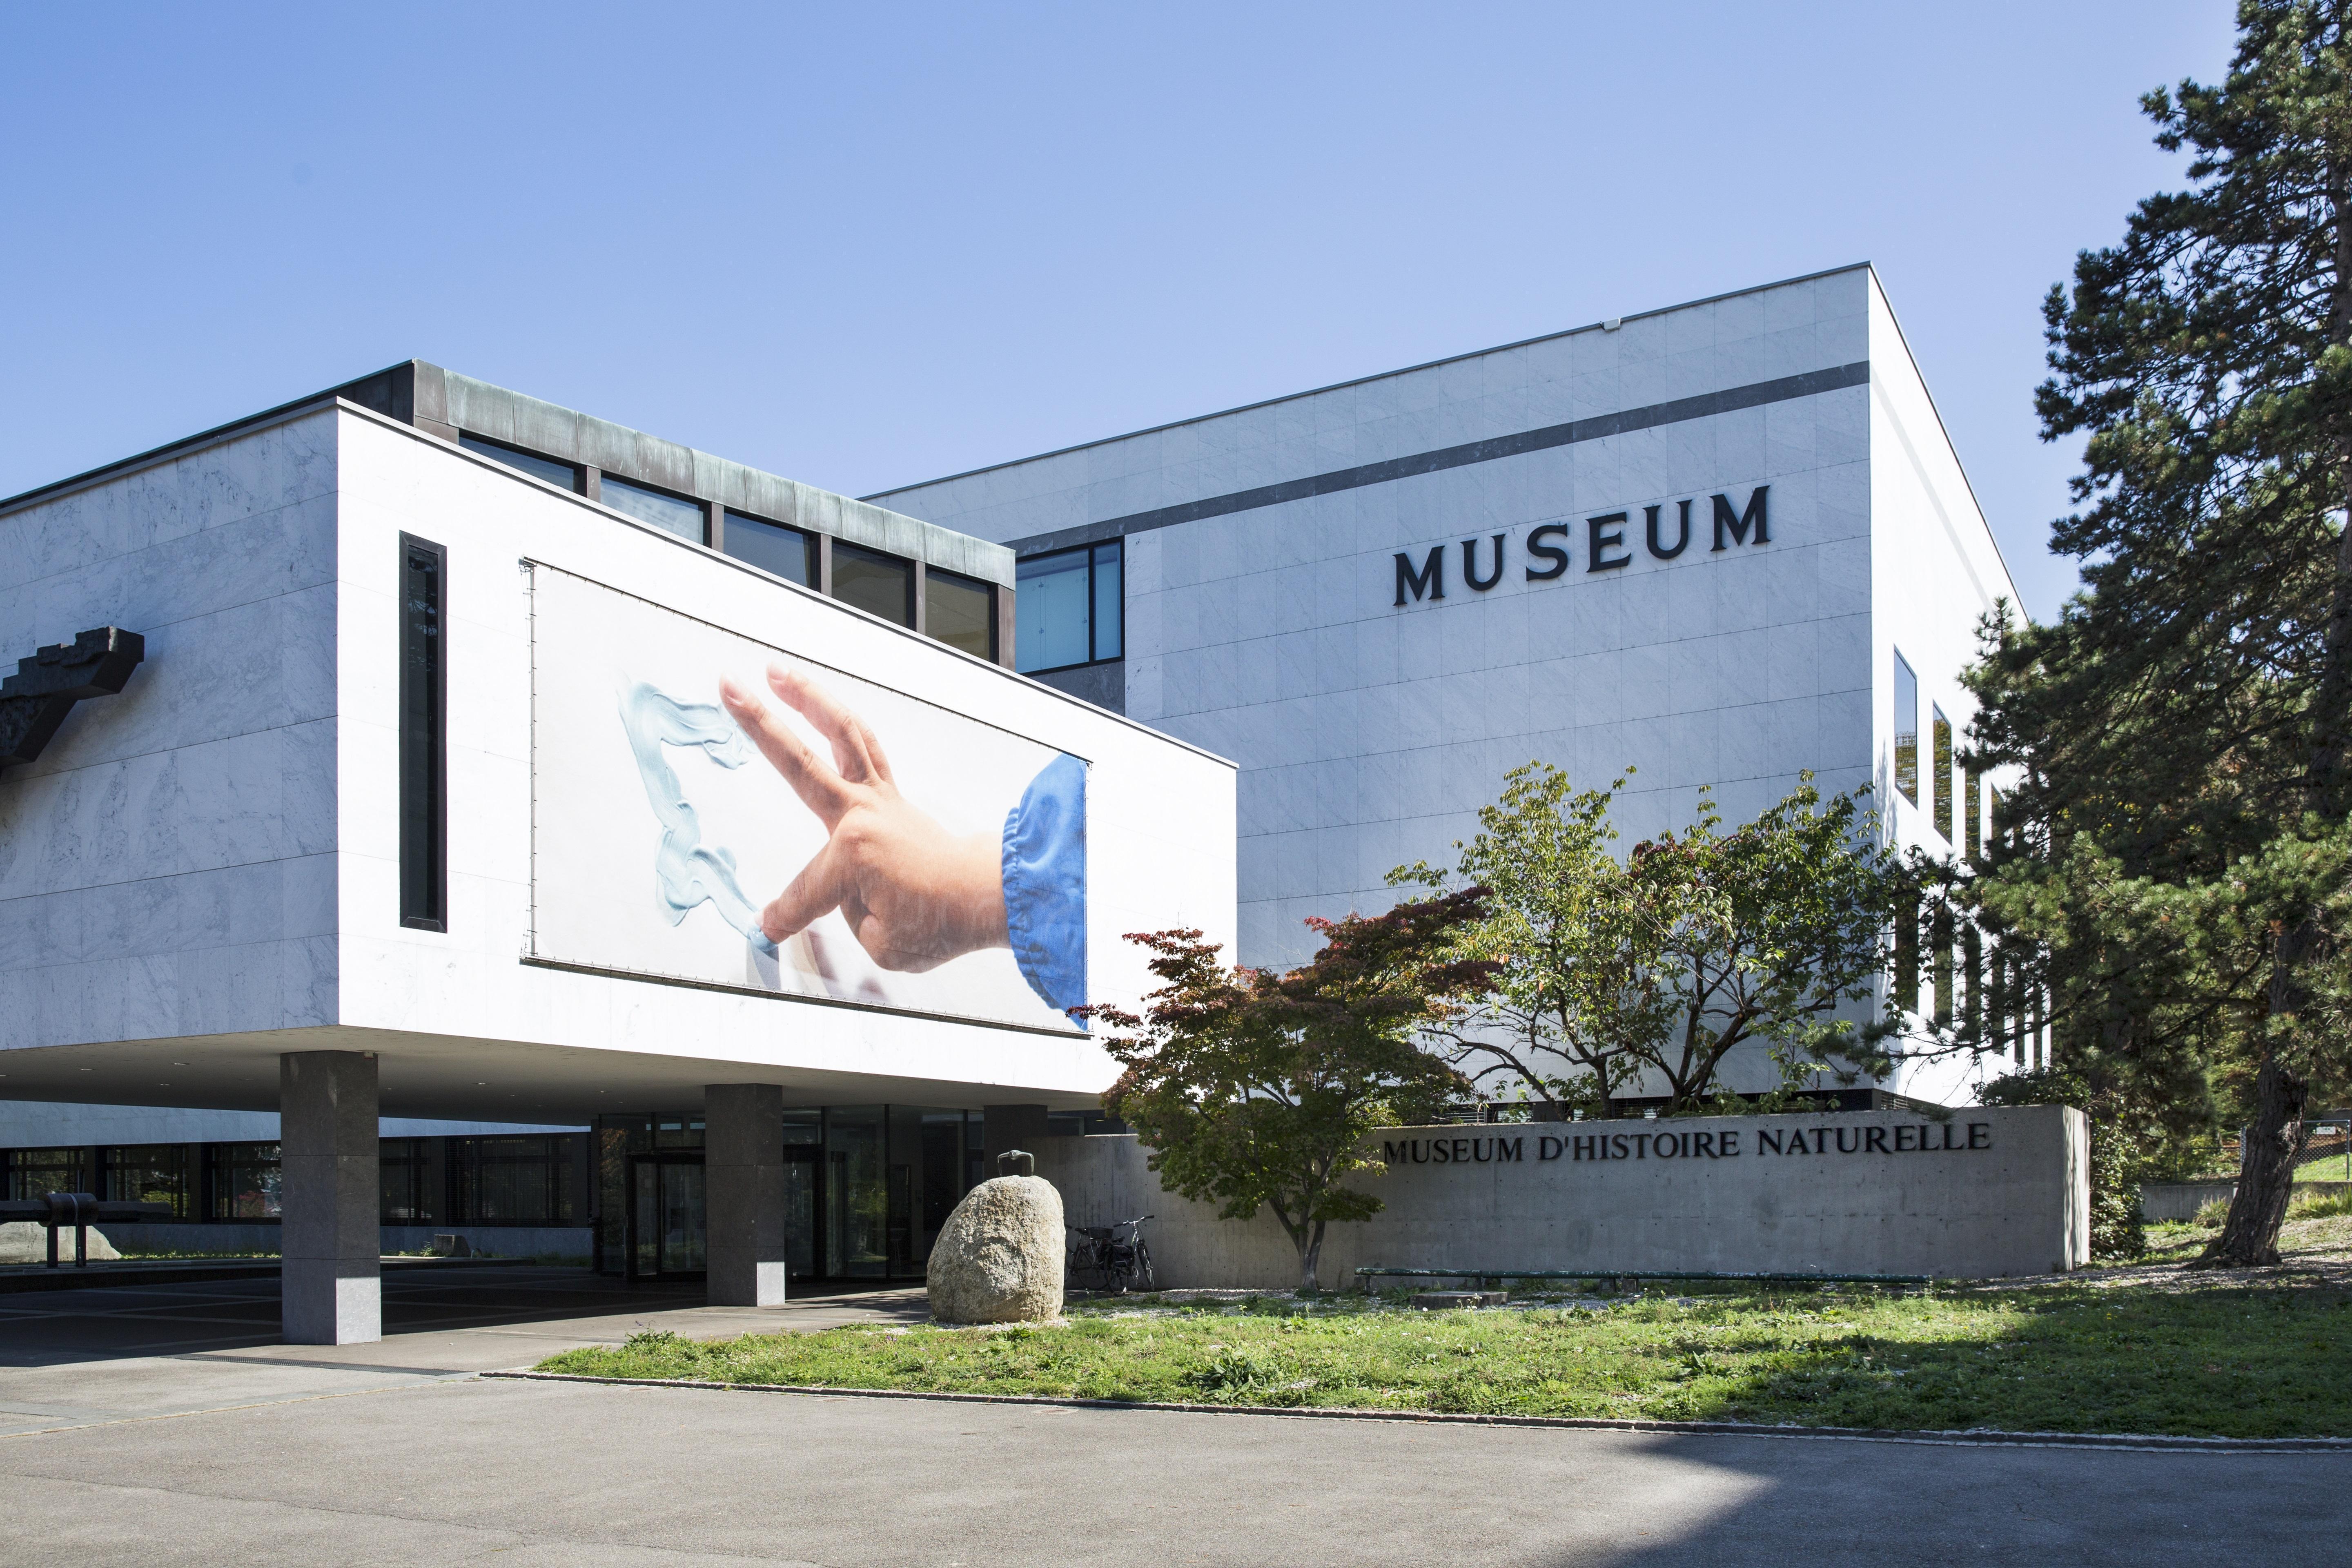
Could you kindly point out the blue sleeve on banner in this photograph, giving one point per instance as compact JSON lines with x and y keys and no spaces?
{"x":1046,"y":883}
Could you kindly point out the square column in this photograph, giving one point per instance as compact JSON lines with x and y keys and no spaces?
{"x":743,"y":1193}
{"x":331,"y":1199}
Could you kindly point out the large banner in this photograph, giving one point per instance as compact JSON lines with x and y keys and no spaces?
{"x":707,"y":807}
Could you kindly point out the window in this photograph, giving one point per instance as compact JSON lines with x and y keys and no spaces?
{"x":412,"y":1173}
{"x":424,"y":771}
{"x":1940,"y":935}
{"x":673,"y":513}
{"x":244,"y":1183}
{"x":961,"y":612}
{"x":563,"y":476}
{"x":1906,"y":731}
{"x":1070,"y":608}
{"x":528,"y":1180}
{"x":1972,"y":808}
{"x":879,"y":585}
{"x":34,"y":1173}
{"x":1939,"y":782}
{"x":771,"y":547}
{"x":1972,"y":981}
{"x":1906,"y":954}
{"x":150,"y":1174}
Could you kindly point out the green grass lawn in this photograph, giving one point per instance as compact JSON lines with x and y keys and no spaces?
{"x":2269,"y":1361}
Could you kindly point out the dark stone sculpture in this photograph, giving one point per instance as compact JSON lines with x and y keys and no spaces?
{"x":35,"y":700}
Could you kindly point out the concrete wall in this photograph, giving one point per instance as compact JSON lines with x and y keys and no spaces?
{"x":2017,"y":1203}
{"x":2182,"y":1200}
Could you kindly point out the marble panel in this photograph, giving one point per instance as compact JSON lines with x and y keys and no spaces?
{"x":1846,"y":737}
{"x":1334,"y":663}
{"x":1792,"y":657}
{"x":1740,"y":316}
{"x":1846,"y":337}
{"x":1843,"y":574}
{"x":1259,"y":672}
{"x":1845,"y":660}
{"x":1842,"y":434}
{"x":1690,"y":330}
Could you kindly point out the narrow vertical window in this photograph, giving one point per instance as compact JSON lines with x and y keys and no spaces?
{"x":1906,"y":954}
{"x":1972,"y":998}
{"x":1940,"y":937}
{"x":1972,"y":807}
{"x":1906,"y":731}
{"x":1109,"y":603}
{"x":1939,"y":775}
{"x":424,"y":743}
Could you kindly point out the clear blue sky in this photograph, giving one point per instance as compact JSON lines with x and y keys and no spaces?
{"x":864,"y":246}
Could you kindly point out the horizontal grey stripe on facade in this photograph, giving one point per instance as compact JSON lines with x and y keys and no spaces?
{"x":1707,"y":403}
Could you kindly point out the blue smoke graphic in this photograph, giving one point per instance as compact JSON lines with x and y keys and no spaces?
{"x":686,"y":872}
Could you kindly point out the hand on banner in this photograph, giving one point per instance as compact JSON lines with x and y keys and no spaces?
{"x":914,"y":895}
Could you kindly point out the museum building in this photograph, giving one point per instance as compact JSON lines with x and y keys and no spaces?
{"x":1705,"y":548}
{"x":443,"y":810}
{"x":421,"y":778}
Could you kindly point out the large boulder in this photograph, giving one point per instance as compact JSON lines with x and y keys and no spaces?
{"x":27,"y":1241}
{"x":999,"y":1258}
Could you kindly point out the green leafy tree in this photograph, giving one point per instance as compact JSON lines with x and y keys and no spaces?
{"x":1257,"y":1089}
{"x":1657,"y":967}
{"x":1580,"y":990}
{"x":2172,"y":872}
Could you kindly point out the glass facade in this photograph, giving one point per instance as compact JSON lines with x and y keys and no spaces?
{"x":673,"y":513}
{"x":879,"y":585}
{"x":36,"y":1172}
{"x":771,"y":547}
{"x":413,"y":1175}
{"x":866,"y":1188}
{"x":1906,"y":731}
{"x":961,"y":612}
{"x":152,"y":1173}
{"x":1972,"y":811}
{"x":563,"y":476}
{"x":1070,"y":608}
{"x":242,"y":1181}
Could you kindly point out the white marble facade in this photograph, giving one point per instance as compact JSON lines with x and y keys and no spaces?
{"x":1368,"y":734}
{"x":202,"y":871}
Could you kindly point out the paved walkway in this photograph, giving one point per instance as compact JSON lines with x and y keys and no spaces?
{"x":79,"y":1357}
{"x":173,"y":1430}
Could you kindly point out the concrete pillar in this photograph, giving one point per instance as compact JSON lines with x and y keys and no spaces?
{"x":331,"y":1194}
{"x":743,"y":1188}
{"x":1007,"y":1127}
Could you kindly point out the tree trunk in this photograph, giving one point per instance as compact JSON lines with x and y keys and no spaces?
{"x":2248,"y":1236}
{"x":1310,"y":1254}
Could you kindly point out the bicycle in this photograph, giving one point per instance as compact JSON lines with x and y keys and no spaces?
{"x":1114,"y":1260}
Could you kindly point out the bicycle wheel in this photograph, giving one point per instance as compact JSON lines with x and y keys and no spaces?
{"x":1149,"y":1280}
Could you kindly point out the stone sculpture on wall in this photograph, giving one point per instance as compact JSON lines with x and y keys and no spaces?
{"x":999,"y":1258}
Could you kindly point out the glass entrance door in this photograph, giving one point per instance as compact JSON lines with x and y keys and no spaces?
{"x":667,"y":1223}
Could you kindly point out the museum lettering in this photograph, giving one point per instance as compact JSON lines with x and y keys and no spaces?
{"x":1921,"y":1138}
{"x":1607,"y":547}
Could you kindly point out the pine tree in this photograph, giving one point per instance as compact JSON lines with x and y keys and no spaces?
{"x":2175,"y":865}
